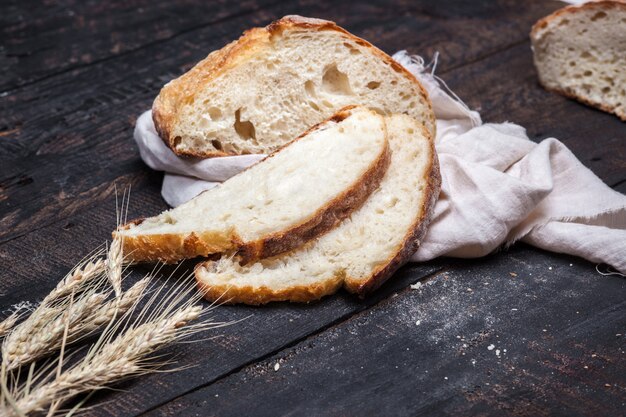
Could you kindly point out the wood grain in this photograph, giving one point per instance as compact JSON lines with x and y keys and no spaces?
{"x":473,"y":340}
{"x":81,"y":120}
{"x":74,"y":77}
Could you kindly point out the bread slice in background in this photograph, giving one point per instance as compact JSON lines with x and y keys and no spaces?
{"x":580,"y":52}
{"x":362,"y":252}
{"x":257,"y":93}
{"x":288,"y":198}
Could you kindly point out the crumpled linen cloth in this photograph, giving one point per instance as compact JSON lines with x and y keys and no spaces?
{"x":497,"y":186}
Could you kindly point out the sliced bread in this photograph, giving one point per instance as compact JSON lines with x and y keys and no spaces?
{"x":580,"y":52}
{"x":362,"y":252}
{"x":257,"y":93}
{"x":288,"y":198}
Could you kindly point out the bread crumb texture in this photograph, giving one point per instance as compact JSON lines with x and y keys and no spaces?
{"x":580,"y":51}
{"x":258,"y":93}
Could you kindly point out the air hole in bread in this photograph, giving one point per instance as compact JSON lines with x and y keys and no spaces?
{"x":215,"y":113}
{"x":309,"y":87}
{"x":572,"y":64}
{"x":314,"y":106}
{"x":176,"y":141}
{"x":169,"y":219}
{"x":587,"y":73}
{"x":353,"y":50}
{"x":606,"y":90}
{"x":373,"y":85}
{"x":410,"y":131}
{"x":335,"y":81}
{"x":245,"y":130}
{"x":599,"y":15}
{"x":216,"y":144}
{"x":563,"y":22}
{"x":377,"y":110}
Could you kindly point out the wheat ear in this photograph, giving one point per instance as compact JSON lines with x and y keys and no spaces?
{"x":121,"y":358}
{"x":114,"y":265}
{"x":42,"y":334}
{"x":79,"y":276}
{"x":8,"y":323}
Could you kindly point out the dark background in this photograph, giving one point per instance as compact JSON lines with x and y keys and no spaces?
{"x":74,"y":75}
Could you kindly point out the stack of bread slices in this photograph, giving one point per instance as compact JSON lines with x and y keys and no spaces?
{"x":343,"y":204}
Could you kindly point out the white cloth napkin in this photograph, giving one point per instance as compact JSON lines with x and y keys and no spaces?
{"x":497,"y":186}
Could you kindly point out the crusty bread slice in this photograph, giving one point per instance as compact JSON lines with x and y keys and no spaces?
{"x":362,"y":252}
{"x":288,"y":198}
{"x":259,"y":92}
{"x":580,"y":52}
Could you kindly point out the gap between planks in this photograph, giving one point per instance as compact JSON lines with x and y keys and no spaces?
{"x":334,"y":323}
{"x":139,"y":48}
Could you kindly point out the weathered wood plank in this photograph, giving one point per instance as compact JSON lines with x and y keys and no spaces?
{"x":33,"y":263}
{"x":44,"y":39}
{"x":473,"y":340}
{"x":56,"y":130}
{"x":67,"y":138}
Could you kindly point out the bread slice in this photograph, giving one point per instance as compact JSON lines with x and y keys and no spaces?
{"x":580,"y":52}
{"x":257,"y":93}
{"x":288,"y":198}
{"x":362,"y":252}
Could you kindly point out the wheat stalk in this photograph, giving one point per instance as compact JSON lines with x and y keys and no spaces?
{"x":8,"y":323}
{"x":108,"y":362}
{"x":41,"y":333}
{"x":78,"y":306}
{"x":79,"y":276}
{"x":112,"y":309}
{"x":114,"y":264}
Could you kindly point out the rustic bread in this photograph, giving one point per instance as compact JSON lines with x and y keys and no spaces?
{"x":362,"y":252}
{"x":257,"y":93}
{"x":290,"y":197}
{"x":580,"y":52}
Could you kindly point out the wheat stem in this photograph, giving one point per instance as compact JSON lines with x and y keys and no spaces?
{"x":114,"y":264}
{"x":79,"y":276}
{"x":41,"y":333}
{"x":123,"y":357}
{"x":8,"y":323}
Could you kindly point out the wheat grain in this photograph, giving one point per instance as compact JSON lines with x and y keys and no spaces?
{"x":8,"y":323}
{"x":121,"y":358}
{"x":112,"y":309}
{"x":80,"y":275}
{"x":114,"y":264}
{"x":42,"y":332}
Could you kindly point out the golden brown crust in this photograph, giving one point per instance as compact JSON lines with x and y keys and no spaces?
{"x":327,"y":218}
{"x":411,"y":240}
{"x":313,"y":292}
{"x":573,"y":9}
{"x":585,"y":100}
{"x":535,"y":33}
{"x":262,"y":295}
{"x":174,"y":247}
{"x":182,"y":90}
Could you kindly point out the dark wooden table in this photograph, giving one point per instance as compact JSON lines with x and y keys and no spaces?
{"x":75,"y":74}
